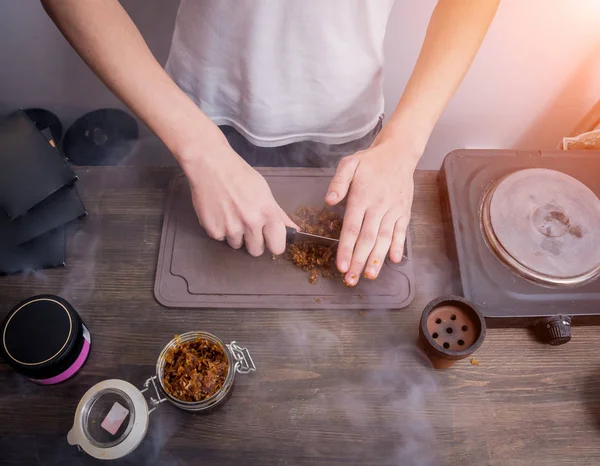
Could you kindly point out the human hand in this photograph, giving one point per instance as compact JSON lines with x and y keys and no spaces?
{"x":234,"y":202}
{"x":378,"y":183}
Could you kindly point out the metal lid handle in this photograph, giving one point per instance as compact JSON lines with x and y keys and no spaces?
{"x":244,"y":363}
{"x":153,"y":401}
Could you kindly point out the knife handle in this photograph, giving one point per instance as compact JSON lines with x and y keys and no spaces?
{"x":290,"y":235}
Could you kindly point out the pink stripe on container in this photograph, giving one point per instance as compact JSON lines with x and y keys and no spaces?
{"x":71,"y":371}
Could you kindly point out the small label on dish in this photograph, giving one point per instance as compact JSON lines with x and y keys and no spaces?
{"x":114,"y":418}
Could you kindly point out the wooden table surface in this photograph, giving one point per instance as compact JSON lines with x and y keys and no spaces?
{"x":332,"y":387}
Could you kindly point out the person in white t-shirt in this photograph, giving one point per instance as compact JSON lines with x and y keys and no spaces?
{"x":285,"y":77}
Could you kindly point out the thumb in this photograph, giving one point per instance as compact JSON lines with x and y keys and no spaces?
{"x":340,"y":184}
{"x":287,"y":220}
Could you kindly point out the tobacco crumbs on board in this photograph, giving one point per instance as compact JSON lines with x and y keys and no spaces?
{"x":194,"y":370}
{"x":316,"y":258}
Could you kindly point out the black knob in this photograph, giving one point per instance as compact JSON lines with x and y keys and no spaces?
{"x":555,"y":330}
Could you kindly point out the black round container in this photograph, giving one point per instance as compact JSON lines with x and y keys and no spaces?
{"x":101,"y":137}
{"x":43,"y":119}
{"x":44,"y":339}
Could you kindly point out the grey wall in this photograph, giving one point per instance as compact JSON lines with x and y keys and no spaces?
{"x":537,"y":73}
{"x":39,"y":68}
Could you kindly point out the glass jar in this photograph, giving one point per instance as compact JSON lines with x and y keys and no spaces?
{"x":236,"y":363}
{"x":113,"y":416}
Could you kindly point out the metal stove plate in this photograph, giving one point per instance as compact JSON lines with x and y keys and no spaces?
{"x":548,"y":222}
{"x":504,"y":297}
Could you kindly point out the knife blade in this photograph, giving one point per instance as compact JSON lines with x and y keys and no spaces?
{"x":294,"y":236}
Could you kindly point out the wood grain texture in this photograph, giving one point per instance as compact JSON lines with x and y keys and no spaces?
{"x":332,"y":387}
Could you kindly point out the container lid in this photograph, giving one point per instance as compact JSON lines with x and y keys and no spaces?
{"x":111,"y":420}
{"x":40,"y":336}
{"x":101,"y":137}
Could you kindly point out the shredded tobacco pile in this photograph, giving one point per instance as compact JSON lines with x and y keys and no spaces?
{"x":195,"y":370}
{"x":316,"y":258}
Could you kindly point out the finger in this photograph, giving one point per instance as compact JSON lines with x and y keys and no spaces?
{"x":274,"y":233}
{"x":382,"y":246}
{"x":397,"y":249}
{"x":255,"y":241}
{"x":287,"y":221}
{"x":214,"y":233}
{"x":350,"y":230}
{"x":340,"y":184}
{"x":364,"y":245}
{"x":235,"y":238}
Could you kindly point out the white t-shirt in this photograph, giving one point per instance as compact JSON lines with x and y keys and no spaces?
{"x":282,"y":71}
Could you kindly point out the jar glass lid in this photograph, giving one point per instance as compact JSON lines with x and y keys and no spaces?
{"x":108,"y":418}
{"x":111,"y":420}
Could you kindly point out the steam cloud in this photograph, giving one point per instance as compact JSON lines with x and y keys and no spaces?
{"x":350,"y":394}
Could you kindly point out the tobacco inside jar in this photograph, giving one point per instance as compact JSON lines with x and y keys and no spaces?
{"x":196,"y":371}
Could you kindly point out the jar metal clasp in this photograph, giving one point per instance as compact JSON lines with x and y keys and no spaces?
{"x":244,"y":363}
{"x":155,"y":402}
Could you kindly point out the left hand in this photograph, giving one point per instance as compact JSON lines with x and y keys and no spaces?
{"x":378,"y":184}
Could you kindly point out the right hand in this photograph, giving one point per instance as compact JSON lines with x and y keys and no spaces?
{"x":234,"y":202}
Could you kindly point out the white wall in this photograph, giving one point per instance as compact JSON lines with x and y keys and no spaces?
{"x":537,"y":73}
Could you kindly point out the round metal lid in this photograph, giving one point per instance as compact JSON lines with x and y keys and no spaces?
{"x":111,"y":420}
{"x":545,"y":225}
